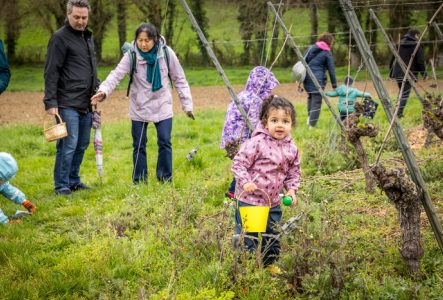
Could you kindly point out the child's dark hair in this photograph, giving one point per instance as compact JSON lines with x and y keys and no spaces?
{"x":276,"y":102}
{"x":151,"y":31}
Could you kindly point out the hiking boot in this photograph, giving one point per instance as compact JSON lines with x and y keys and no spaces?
{"x":63,"y":192}
{"x":29,"y":206}
{"x":79,"y":186}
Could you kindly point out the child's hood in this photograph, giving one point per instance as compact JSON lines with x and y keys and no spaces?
{"x":8,"y":166}
{"x":261,"y":82}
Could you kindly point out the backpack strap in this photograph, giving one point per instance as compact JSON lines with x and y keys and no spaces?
{"x":132,"y":70}
{"x":166,"y":53}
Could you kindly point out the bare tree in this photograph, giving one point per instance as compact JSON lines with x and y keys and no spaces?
{"x":101,"y":15}
{"x":151,"y":9}
{"x":314,"y":21}
{"x":49,"y":11}
{"x":170,"y":18}
{"x":121,"y":6}
{"x":11,"y":16}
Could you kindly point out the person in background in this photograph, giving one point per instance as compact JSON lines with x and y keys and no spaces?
{"x":265,"y":164}
{"x":347,"y":96}
{"x":8,"y":169}
{"x":151,"y":98}
{"x":5,"y":73}
{"x":407,"y":45}
{"x":260,"y":83}
{"x":70,"y":81}
{"x":319,"y":59}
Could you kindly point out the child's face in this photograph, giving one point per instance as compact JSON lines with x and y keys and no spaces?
{"x":279,"y":123}
{"x":2,"y":181}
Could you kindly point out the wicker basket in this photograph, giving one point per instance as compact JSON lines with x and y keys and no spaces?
{"x":55,"y":132}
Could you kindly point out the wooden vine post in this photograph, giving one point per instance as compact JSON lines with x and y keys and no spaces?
{"x":216,"y":63}
{"x":402,"y":141}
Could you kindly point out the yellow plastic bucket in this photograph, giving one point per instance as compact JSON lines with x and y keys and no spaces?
{"x":255,"y":218}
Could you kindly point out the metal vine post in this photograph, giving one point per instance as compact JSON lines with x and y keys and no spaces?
{"x":403,"y":143}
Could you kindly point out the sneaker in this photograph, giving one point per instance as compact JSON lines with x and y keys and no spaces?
{"x":63,"y":192}
{"x":79,"y":186}
{"x":29,"y":206}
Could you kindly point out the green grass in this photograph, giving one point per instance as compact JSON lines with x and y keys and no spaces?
{"x":174,"y":241}
{"x":31,"y":78}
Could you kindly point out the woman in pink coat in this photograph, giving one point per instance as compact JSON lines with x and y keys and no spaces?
{"x":265,"y":164}
{"x":151,"y":97}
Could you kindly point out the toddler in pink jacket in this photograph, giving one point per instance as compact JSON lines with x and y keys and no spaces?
{"x":267,"y":163}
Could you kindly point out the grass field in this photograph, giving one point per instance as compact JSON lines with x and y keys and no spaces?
{"x":121,"y":241}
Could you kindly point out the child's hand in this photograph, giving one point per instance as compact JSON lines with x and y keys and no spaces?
{"x":249,"y":187}
{"x":291,"y":193}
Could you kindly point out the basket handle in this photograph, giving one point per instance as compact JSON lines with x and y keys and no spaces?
{"x":45,"y":122}
{"x":261,"y":190}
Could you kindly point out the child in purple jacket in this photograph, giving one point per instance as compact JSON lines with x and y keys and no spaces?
{"x":269,"y":162}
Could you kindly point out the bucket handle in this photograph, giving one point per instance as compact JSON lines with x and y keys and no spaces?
{"x":45,"y":122}
{"x":258,"y":189}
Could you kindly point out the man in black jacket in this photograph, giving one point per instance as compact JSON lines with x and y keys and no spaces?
{"x":70,"y":81}
{"x":405,"y":50}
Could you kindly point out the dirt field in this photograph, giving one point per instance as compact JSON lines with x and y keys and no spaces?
{"x":27,"y":107}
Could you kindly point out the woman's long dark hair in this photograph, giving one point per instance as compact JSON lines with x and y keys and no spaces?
{"x":151,"y":31}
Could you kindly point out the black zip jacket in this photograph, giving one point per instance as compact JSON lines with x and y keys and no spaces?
{"x":70,"y":69}
{"x":407,"y":46}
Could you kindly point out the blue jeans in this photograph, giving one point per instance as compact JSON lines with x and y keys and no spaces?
{"x":404,"y":97}
{"x":164,"y":161}
{"x":70,"y":150}
{"x":314,"y":107}
{"x":270,"y":247}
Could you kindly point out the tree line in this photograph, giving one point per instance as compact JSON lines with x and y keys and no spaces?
{"x":254,"y":19}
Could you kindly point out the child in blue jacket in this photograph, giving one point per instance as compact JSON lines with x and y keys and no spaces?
{"x":8,"y":169}
{"x":347,"y":94}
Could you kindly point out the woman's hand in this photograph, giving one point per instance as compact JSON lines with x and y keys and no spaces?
{"x":190,"y":114}
{"x":249,"y":187}
{"x":52,"y":111}
{"x":99,"y":97}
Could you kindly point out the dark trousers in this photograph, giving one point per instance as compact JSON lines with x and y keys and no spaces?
{"x":270,"y":247}
{"x":314,"y":107}
{"x":164,"y":160}
{"x":404,"y":96}
{"x":71,"y":149}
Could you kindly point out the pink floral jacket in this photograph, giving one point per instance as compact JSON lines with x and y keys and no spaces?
{"x":270,"y":163}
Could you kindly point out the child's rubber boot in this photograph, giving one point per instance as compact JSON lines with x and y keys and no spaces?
{"x":29,"y":206}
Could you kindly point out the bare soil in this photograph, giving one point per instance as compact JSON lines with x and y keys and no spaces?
{"x":27,"y":107}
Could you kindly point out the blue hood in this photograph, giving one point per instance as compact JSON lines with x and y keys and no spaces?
{"x":8,"y":166}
